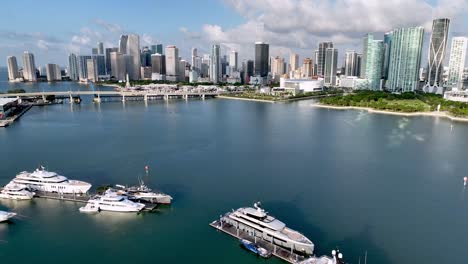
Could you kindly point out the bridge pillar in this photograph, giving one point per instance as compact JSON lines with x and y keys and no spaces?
{"x":203,"y":96}
{"x":97,"y":99}
{"x":123,"y":98}
{"x":166,"y":97}
{"x":43,"y":97}
{"x":71,"y":99}
{"x":186,"y":96}
{"x":19,"y":99}
{"x":146,"y":98}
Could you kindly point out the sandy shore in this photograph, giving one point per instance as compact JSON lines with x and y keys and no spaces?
{"x":370,"y":110}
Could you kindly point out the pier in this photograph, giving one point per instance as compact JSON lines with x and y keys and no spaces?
{"x":277,"y":251}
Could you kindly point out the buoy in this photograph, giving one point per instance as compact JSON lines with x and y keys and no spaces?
{"x":465,"y":181}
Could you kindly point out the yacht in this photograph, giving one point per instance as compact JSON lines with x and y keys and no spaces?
{"x":258,"y":223}
{"x":5,"y":216}
{"x":47,"y":181}
{"x":111,"y":201}
{"x":15,"y":191}
{"x":143,"y":192}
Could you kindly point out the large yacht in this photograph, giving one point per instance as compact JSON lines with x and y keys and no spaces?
{"x":47,"y":181}
{"x":258,"y":223}
{"x":111,"y":201}
{"x":15,"y":191}
{"x":143,"y":192}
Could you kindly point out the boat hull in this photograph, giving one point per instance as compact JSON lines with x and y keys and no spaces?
{"x":5,"y":216}
{"x":73,"y":187}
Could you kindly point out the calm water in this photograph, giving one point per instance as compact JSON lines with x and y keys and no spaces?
{"x":347,"y":179}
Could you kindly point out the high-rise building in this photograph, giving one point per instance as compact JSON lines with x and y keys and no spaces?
{"x":172,"y":63}
{"x":133,"y":49}
{"x":29,"y":67}
{"x":250,"y":68}
{"x":457,"y":62}
{"x":351,"y":63}
{"x":358,"y":64}
{"x":100,"y":64}
{"x":374,"y":63}
{"x":146,"y":57}
{"x":92,"y":69}
{"x":331,"y":60}
{"x":53,"y":72}
{"x":158,"y":64}
{"x":277,"y":68}
{"x":294,"y":61}
{"x":194,"y":58}
{"x":118,"y":66}
{"x":387,"y":51}
{"x":316,"y":58}
{"x":13,"y":72}
{"x":405,"y":59}
{"x":307,"y":68}
{"x":436,"y":55}
{"x":215,"y":71}
{"x":234,"y":60}
{"x":83,"y":67}
{"x":73,"y":67}
{"x":365,"y":42}
{"x":123,"y":44}
{"x":94,"y":51}
{"x":108,"y":59}
{"x":158,"y":48}
{"x":261,"y":59}
{"x":182,"y":70}
{"x":100,"y":48}
{"x":323,"y":46}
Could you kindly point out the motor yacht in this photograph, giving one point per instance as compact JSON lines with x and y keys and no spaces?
{"x":111,"y":201}
{"x":15,"y":191}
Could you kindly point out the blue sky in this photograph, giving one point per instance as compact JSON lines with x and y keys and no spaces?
{"x":51,"y":29}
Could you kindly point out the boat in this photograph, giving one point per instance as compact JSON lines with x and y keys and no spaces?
{"x":47,"y":181}
{"x":144,"y":193}
{"x":111,"y":201}
{"x":5,"y":216}
{"x":16,"y":191}
{"x":251,"y":246}
{"x":258,"y":223}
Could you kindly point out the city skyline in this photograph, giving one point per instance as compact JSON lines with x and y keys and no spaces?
{"x":234,"y":27}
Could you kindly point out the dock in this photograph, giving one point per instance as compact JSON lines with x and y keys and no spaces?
{"x":277,"y":251}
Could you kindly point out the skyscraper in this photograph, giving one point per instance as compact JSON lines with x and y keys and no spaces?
{"x":457,"y":61}
{"x":158,"y":64}
{"x":94,"y":51}
{"x":436,"y":55}
{"x":146,"y":57}
{"x":108,"y":59}
{"x":133,"y":49}
{"x":83,"y":67}
{"x":92,"y":69}
{"x":250,"y":68}
{"x":29,"y":67}
{"x":405,"y":59}
{"x":316,"y":58}
{"x":261,"y":59}
{"x":277,"y":67}
{"x":53,"y":72}
{"x":294,"y":61}
{"x":234,"y":60}
{"x":351,"y":63}
{"x":365,"y":42}
{"x":100,"y":48}
{"x":100,"y":64}
{"x":13,"y":73}
{"x":172,"y":63}
{"x":73,"y":67}
{"x":307,"y":68}
{"x":331,"y":59}
{"x":374,"y":62}
{"x":215,"y":71}
{"x":158,"y":48}
{"x":123,"y":44}
{"x":387,"y":51}
{"x":118,"y":66}
{"x":323,"y":46}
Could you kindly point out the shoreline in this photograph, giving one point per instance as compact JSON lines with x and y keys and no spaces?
{"x":245,"y":99}
{"x":385,"y":112}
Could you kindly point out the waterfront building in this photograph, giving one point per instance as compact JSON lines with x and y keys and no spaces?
{"x":53,"y":72}
{"x":108,"y":59}
{"x":365,"y":42}
{"x":172,"y":63}
{"x":29,"y":67}
{"x":358,"y":65}
{"x":374,"y":62}
{"x":261,"y":59}
{"x":307,"y":68}
{"x":133,"y":49}
{"x":250,"y":65}
{"x":158,"y":64}
{"x":277,"y":68}
{"x":331,"y":59}
{"x":100,"y":48}
{"x":405,"y":59}
{"x":73,"y":67}
{"x":42,"y":71}
{"x":12,"y":64}
{"x":296,"y":86}
{"x":118,"y":66}
{"x":323,"y":46}
{"x":387,"y":51}
{"x":100,"y":64}
{"x":215,"y":71}
{"x":146,"y":57}
{"x":194,"y":60}
{"x":353,"y":82}
{"x":92,"y":68}
{"x":123,"y":44}
{"x":457,"y":62}
{"x":436,"y":55}
{"x":234,"y":60}
{"x":293,"y":61}
{"x":83,"y":67}
{"x":182,"y":70}
{"x":351,"y":63}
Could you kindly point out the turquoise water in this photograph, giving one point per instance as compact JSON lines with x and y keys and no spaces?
{"x":388,"y":185}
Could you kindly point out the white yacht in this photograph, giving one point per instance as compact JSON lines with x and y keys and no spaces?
{"x":5,"y":216}
{"x":111,"y":201}
{"x":258,"y":223}
{"x":143,"y":192}
{"x":47,"y":181}
{"x":15,"y":191}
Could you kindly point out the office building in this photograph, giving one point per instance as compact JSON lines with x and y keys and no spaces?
{"x":365,"y":42}
{"x":323,"y":46}
{"x":261,"y":59}
{"x":108,"y":59}
{"x":100,"y":64}
{"x":146,"y":57}
{"x":293,"y":61}
{"x":234,"y":60}
{"x":73,"y":67}
{"x":374,"y":62}
{"x":133,"y":49}
{"x":172,"y":63}
{"x":29,"y":67}
{"x":123,"y":44}
{"x":405,"y":59}
{"x":158,"y":48}
{"x":331,"y":60}
{"x":92,"y":69}
{"x":158,"y":67}
{"x":100,"y":48}
{"x":457,"y":62}
{"x":94,"y":51}
{"x":436,"y":55}
{"x":387,"y":51}
{"x":118,"y":66}
{"x":83,"y":67}
{"x":307,"y":68}
{"x":316,"y":59}
{"x":277,"y":68}
{"x":351,"y":63}
{"x":13,"y":72}
{"x":215,"y":71}
{"x":53,"y":72}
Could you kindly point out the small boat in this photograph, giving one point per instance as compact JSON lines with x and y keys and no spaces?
{"x":251,"y":246}
{"x":89,"y":208}
{"x":5,"y":216}
{"x":144,"y":193}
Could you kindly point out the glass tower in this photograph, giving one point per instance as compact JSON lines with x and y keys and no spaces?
{"x":436,"y":55}
{"x":374,"y":62}
{"x":261,"y":59}
{"x":457,"y":61}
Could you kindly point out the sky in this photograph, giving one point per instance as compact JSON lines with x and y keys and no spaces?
{"x":51,"y":29}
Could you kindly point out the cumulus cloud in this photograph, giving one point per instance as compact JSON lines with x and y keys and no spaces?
{"x":114,"y":28}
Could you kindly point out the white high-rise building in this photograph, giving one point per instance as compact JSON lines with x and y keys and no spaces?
{"x":92,"y":70}
{"x":172,"y":63}
{"x":118,"y":66}
{"x":294,"y":61}
{"x":215,"y":64}
{"x":351,"y":63}
{"x":133,"y":49}
{"x":100,"y":48}
{"x":13,"y":73}
{"x":194,"y":59}
{"x":29,"y":67}
{"x":233,"y":60}
{"x":123,"y":44}
{"x":73,"y":72}
{"x":53,"y":72}
{"x":457,"y":61}
{"x":277,"y":68}
{"x":331,"y":60}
